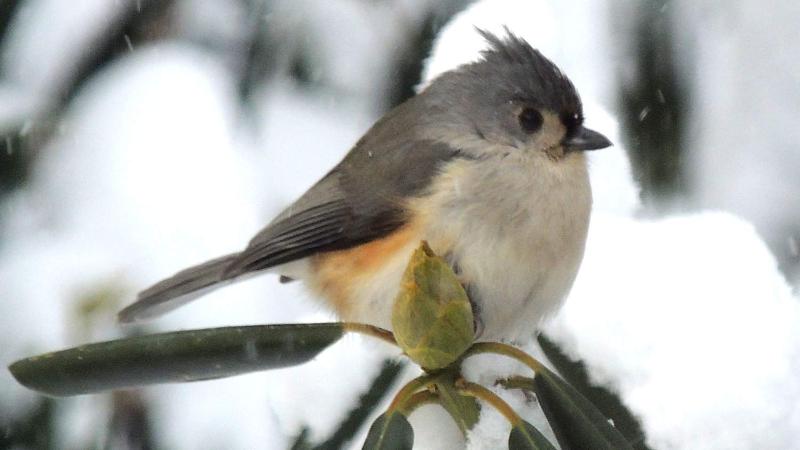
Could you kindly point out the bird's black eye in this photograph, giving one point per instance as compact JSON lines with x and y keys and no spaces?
{"x":530,"y":120}
{"x":571,"y":121}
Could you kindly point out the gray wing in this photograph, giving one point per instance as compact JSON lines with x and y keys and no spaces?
{"x":358,"y":201}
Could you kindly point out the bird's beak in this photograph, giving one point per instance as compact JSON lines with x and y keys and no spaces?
{"x":586,"y":139}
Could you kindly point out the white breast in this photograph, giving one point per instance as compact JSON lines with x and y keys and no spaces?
{"x":517,"y":228}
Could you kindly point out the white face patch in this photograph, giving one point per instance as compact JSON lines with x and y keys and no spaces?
{"x":549,"y":138}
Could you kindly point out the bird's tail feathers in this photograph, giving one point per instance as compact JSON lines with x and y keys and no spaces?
{"x":183,"y":287}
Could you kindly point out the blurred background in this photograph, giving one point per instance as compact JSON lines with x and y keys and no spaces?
{"x":141,"y":136}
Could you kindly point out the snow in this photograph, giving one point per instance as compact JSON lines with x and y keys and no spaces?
{"x":133,"y":142}
{"x":330,"y":383}
{"x":743,"y":148}
{"x":49,"y":38}
{"x":548,"y":25}
{"x":350,"y":43}
{"x":15,"y":107}
{"x":231,"y":413}
{"x":686,"y":316}
{"x":303,"y":136}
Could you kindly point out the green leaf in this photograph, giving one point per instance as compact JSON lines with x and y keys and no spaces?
{"x":464,"y":410}
{"x":574,"y":420}
{"x":390,"y":431}
{"x":174,"y":357}
{"x":525,"y":436}
{"x":607,"y":402}
{"x":432,"y":317}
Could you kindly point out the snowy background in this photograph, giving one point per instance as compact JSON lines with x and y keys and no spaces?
{"x":138,"y":137}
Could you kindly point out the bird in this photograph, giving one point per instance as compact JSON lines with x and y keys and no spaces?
{"x":486,"y":164}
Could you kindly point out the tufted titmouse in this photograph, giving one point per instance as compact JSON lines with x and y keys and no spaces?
{"x":486,"y":164}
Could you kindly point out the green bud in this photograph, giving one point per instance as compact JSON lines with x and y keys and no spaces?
{"x":432,"y":316}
